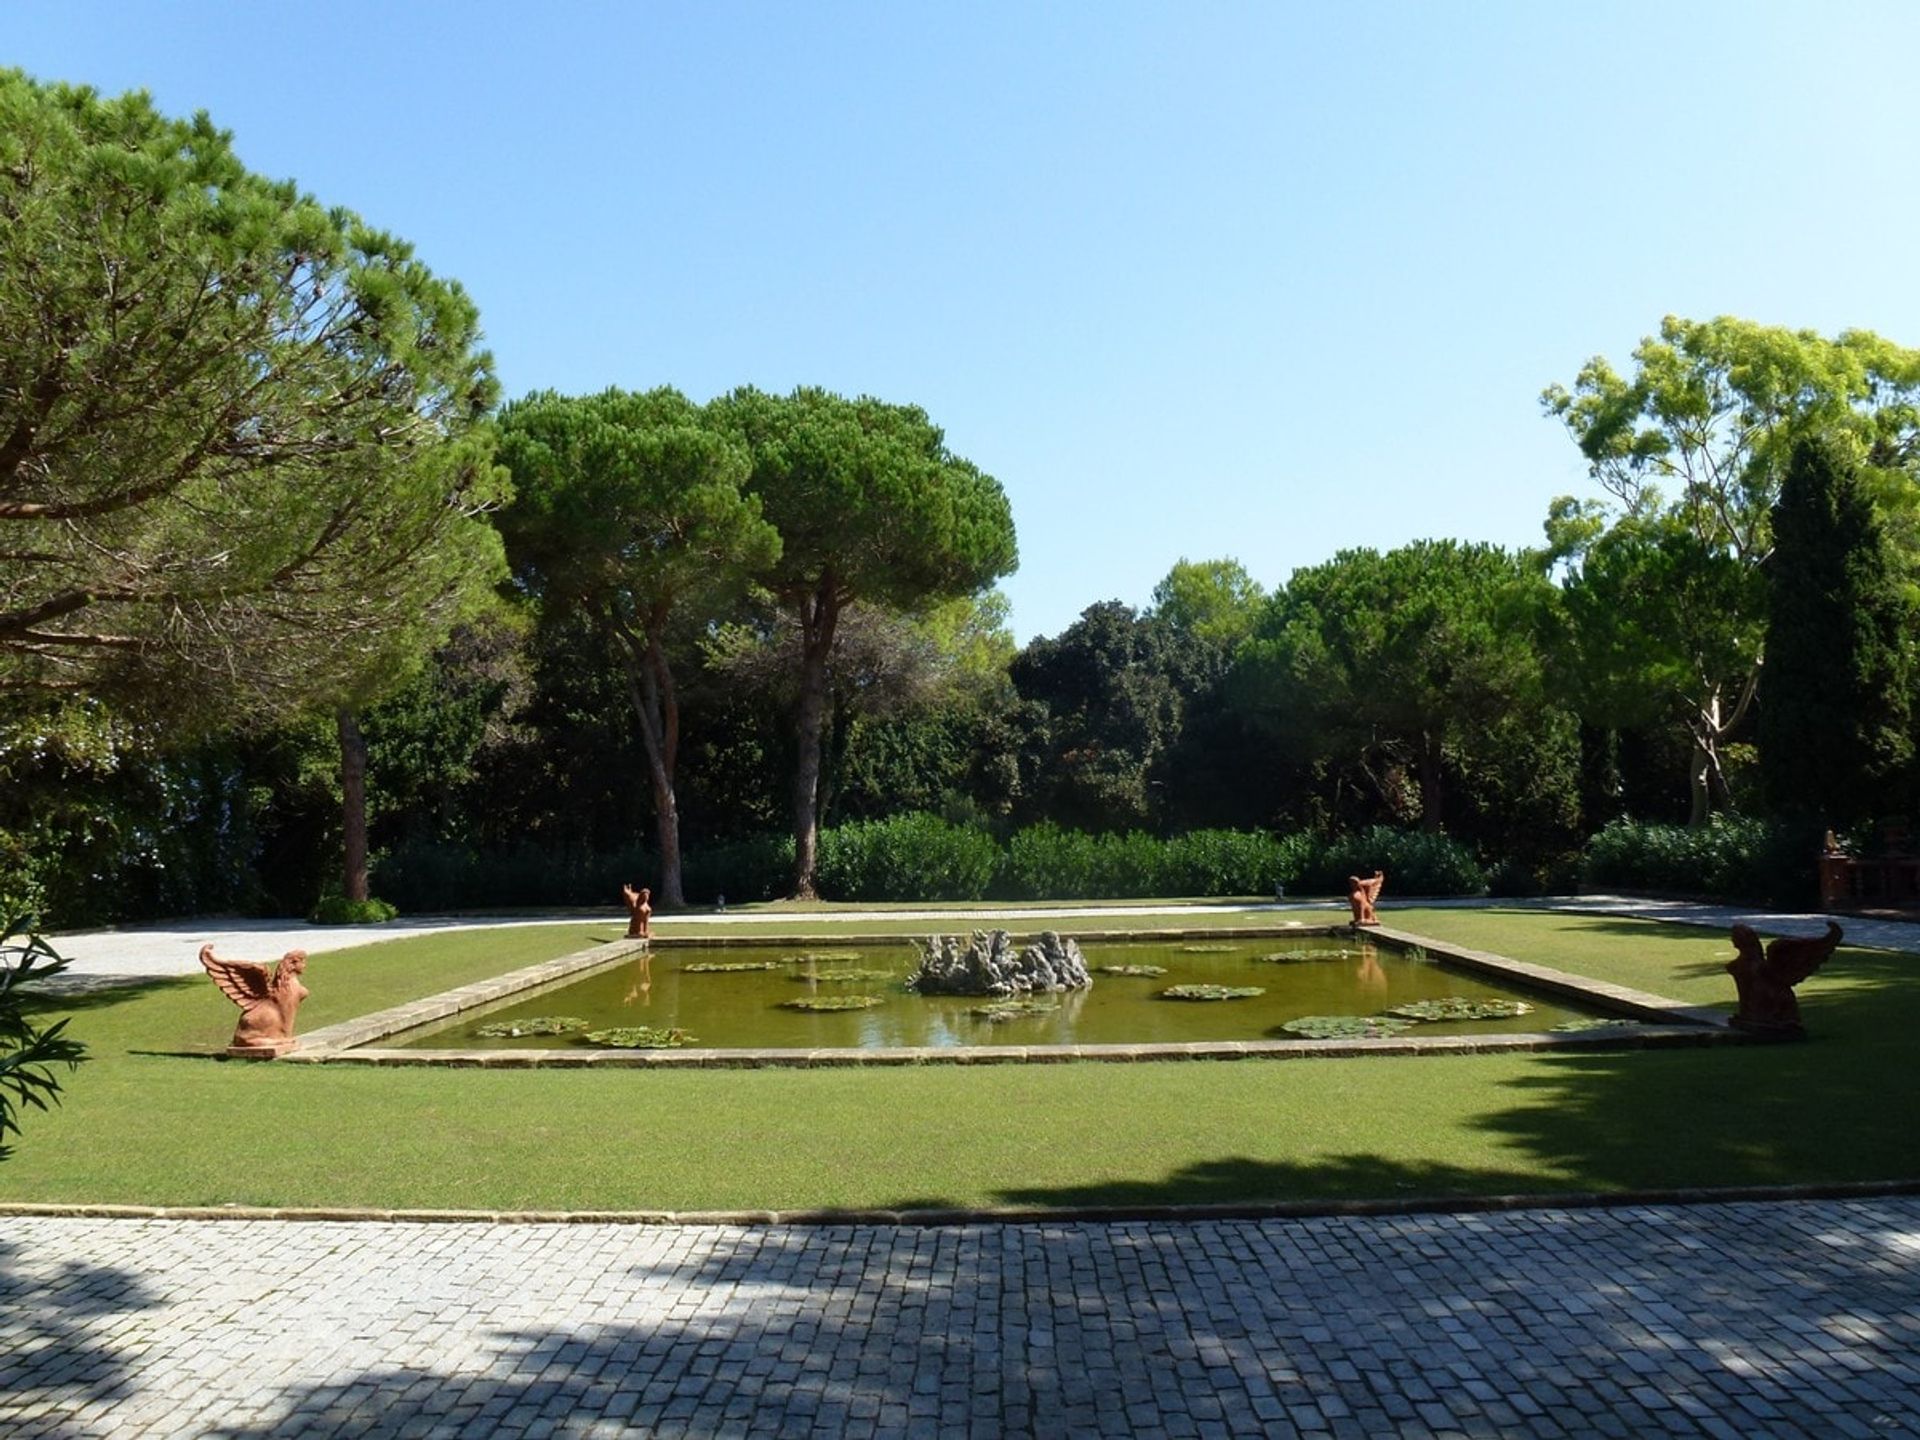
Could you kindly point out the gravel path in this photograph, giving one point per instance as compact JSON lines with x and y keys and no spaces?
{"x":105,"y":956}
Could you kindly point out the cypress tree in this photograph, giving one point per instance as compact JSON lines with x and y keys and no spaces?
{"x":1834,"y":713}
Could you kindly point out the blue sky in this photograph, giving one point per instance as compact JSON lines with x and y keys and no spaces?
{"x":1257,"y":280}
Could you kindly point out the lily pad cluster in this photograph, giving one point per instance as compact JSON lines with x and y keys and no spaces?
{"x":823,"y":1004}
{"x":1212,"y":992}
{"x":1459,"y":1007}
{"x":1346,"y":1027}
{"x":823,"y":957}
{"x":532,"y":1025}
{"x":728,"y":967}
{"x":1004,"y":1010}
{"x":1146,"y":971}
{"x":845,"y":977}
{"x":638,"y":1037}
{"x":1581,"y":1027}
{"x":1208,"y":949}
{"x":1302,"y":957}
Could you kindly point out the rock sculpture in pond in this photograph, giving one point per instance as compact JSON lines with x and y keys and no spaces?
{"x":1361,"y":893}
{"x":639,"y":912}
{"x":1765,"y":979}
{"x":990,"y":964}
{"x":267,"y":1001}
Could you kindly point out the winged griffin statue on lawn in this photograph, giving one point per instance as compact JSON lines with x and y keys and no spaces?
{"x":267,"y":1001}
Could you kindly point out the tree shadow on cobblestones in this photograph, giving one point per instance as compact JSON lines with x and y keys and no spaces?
{"x":53,"y":1359}
{"x":785,"y":1331}
{"x":1244,"y":1181}
{"x":1615,"y":1322}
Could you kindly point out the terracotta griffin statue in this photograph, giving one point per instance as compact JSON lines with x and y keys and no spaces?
{"x":1361,"y":893}
{"x":639,"y":911}
{"x":1765,"y":979}
{"x":267,"y":1001}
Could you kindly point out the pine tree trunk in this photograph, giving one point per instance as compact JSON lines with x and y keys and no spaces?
{"x":353,"y":804}
{"x":1432,"y":794}
{"x":656,"y":708}
{"x":819,"y":615}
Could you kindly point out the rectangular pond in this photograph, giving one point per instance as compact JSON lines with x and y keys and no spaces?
{"x":784,"y":996}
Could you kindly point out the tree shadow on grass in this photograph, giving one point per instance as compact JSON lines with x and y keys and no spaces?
{"x":54,"y":1356}
{"x":76,"y":994}
{"x":1842,"y":1107}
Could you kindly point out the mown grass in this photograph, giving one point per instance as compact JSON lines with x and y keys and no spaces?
{"x":148,"y":1121}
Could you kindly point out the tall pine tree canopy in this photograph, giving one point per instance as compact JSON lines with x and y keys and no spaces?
{"x":872,"y":507}
{"x":241,"y":451}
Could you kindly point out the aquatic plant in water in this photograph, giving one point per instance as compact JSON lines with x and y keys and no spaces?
{"x":843,"y":977}
{"x":1004,"y":1010}
{"x":532,"y":1025}
{"x":638,"y":1037}
{"x":823,"y":957}
{"x":1148,"y":971}
{"x":728,"y":967}
{"x":1212,"y":992}
{"x":1346,"y":1027}
{"x":1581,"y":1027}
{"x":1301,"y":957}
{"x":1459,"y":1007}
{"x":1208,"y":949}
{"x":824,"y":1003}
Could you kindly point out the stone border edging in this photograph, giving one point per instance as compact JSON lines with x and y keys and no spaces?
{"x":998,"y":1215}
{"x":1665,"y":1022}
{"x":328,"y":1041}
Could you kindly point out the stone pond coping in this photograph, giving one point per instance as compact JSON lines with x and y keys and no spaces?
{"x":1663,"y":1023}
{"x":948,"y":1215}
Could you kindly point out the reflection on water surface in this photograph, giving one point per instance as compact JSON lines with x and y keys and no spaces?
{"x":741,"y":997}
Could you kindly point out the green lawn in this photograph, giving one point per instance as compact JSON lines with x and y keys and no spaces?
{"x":147,"y":1121}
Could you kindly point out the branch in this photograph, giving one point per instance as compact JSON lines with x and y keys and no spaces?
{"x":45,"y":391}
{"x":40,"y":639}
{"x":51,"y":610}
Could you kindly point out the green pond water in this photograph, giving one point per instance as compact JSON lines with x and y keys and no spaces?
{"x":745,"y":1008}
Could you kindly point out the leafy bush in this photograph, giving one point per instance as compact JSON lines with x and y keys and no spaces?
{"x":1044,"y":862}
{"x":1227,"y":862}
{"x":921,"y":856}
{"x":436,"y":876}
{"x":907,"y":857}
{"x":757,"y":868}
{"x":338,"y":910}
{"x":1736,"y":858}
{"x":28,"y":1053}
{"x":1416,"y":862}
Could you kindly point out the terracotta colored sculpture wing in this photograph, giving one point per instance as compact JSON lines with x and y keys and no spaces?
{"x":1789,"y":960}
{"x":241,"y":981}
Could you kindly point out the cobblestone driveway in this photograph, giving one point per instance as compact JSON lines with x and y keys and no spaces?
{"x":1774,"y":1319}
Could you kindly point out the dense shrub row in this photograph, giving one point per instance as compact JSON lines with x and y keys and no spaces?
{"x":923,"y":857}
{"x":906,"y":857}
{"x":1761,"y":862}
{"x":1416,"y":862}
{"x":1044,"y":862}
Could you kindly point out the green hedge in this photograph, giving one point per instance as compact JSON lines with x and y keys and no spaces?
{"x":1416,"y":862}
{"x":906,"y":857}
{"x":1045,"y":862}
{"x":338,"y":910}
{"x":1732,"y":857}
{"x":422,"y":878}
{"x":924,"y":857}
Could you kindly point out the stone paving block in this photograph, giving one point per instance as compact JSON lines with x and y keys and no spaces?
{"x":1324,"y":1328}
